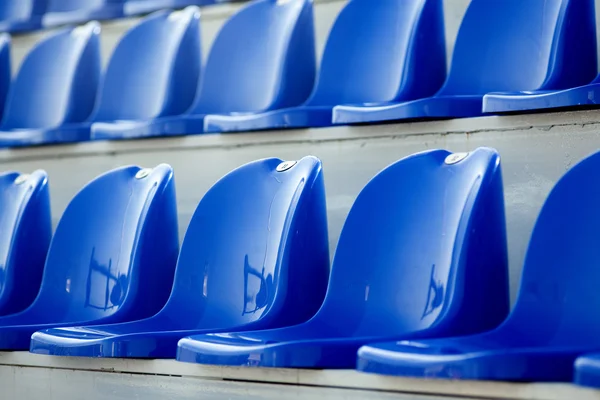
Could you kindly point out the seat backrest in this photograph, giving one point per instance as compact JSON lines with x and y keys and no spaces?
{"x":154,"y":69}
{"x":26,"y":227}
{"x":19,"y":10}
{"x":559,"y":293}
{"x":73,"y":5}
{"x":113,"y":255}
{"x":423,"y":246}
{"x":374,"y":50}
{"x":514,"y":45}
{"x":57,"y":81}
{"x":5,"y":69}
{"x":256,"y":249}
{"x":263,"y":58}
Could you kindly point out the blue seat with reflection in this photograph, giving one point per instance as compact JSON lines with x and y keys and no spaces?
{"x":262,"y":59}
{"x":377,"y":52}
{"x":421,"y":254}
{"x":111,"y":259}
{"x":554,"y":319}
{"x":26,"y":229}
{"x":502,"y":46}
{"x":255,"y":256}
{"x":58,"y":79}
{"x":153,"y":73}
{"x":21,"y":15}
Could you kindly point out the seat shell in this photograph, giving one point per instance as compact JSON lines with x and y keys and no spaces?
{"x":255,"y":255}
{"x":543,"y":335}
{"x":421,"y":254}
{"x":104,"y":264}
{"x":502,"y":46}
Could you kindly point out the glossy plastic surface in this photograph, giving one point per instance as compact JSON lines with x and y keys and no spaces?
{"x":5,"y":69}
{"x":21,"y":15}
{"x":503,"y":46}
{"x":153,"y":73}
{"x":111,"y":259}
{"x":62,"y":12}
{"x":381,"y":51}
{"x":255,"y":256}
{"x":422,"y":254}
{"x":26,"y":228}
{"x":135,"y":7}
{"x":553,"y":320}
{"x":587,"y":370}
{"x":585,"y":95}
{"x":262,"y":59}
{"x":576,"y":64}
{"x":58,"y":79}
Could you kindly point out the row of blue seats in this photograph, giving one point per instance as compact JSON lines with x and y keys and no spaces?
{"x":383,"y":61}
{"x":28,"y":15}
{"x":418,"y":285}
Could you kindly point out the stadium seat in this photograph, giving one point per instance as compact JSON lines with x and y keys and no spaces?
{"x":502,"y":46}
{"x":61,"y":12}
{"x":55,"y":88}
{"x":262,"y":59}
{"x":554,"y":318}
{"x":255,"y":256}
{"x":112,"y":257}
{"x":587,"y":370}
{"x":377,"y":52}
{"x":422,"y":254}
{"x":26,"y":228}
{"x":136,"y":7}
{"x":21,"y":15}
{"x":544,"y":99}
{"x":153,"y":73}
{"x":575,"y":66}
{"x":5,"y":69}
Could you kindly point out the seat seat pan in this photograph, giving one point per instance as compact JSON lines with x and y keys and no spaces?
{"x":29,"y":137}
{"x":34,"y":23}
{"x":137,"y":339}
{"x":587,"y":370}
{"x":127,"y":129}
{"x":541,"y":99}
{"x":186,"y":124}
{"x":431,"y":107}
{"x":296,"y":117}
{"x":136,"y":7}
{"x":483,"y":357}
{"x":118,"y":340}
{"x":109,"y":11}
{"x":309,"y":345}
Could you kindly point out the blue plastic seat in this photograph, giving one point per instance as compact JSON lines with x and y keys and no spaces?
{"x":255,"y":256}
{"x":263,"y":59}
{"x":136,"y":7}
{"x":26,"y":228}
{"x":377,"y":52}
{"x":587,"y":370}
{"x":554,"y":318}
{"x":544,"y":99}
{"x":21,"y":15}
{"x":112,"y":257}
{"x":502,"y":46}
{"x":422,"y":254}
{"x":153,"y":73}
{"x":61,"y":12}
{"x":5,"y":69}
{"x":58,"y":80}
